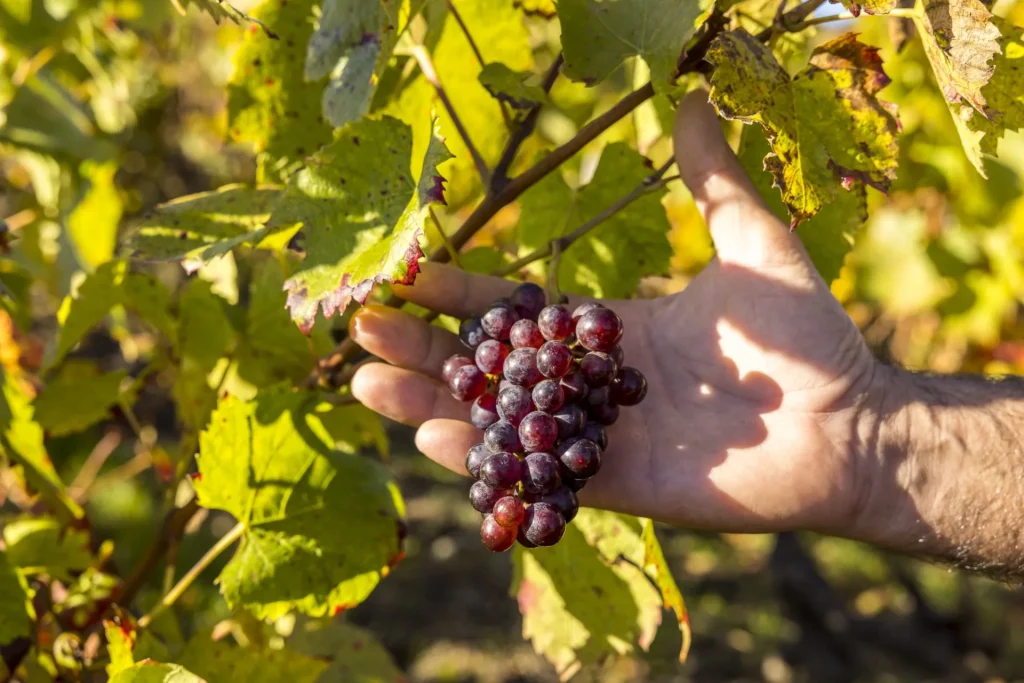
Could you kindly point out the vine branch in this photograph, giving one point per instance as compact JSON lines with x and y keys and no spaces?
{"x":426,"y":65}
{"x":553,"y":248}
{"x":173,"y":528}
{"x":787,"y":22}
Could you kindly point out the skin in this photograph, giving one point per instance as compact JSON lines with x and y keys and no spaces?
{"x":765,"y":411}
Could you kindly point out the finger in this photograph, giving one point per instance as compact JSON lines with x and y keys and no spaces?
{"x":453,"y":291}
{"x":405,"y":396}
{"x":745,"y":232}
{"x":403,"y":339}
{"x":446,"y":442}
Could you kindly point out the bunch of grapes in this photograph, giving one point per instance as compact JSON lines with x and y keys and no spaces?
{"x":545,"y":381}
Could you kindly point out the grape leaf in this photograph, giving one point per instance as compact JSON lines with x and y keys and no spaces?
{"x":960,"y":40}
{"x":355,"y":654}
{"x":362,"y":215}
{"x":111,"y":285}
{"x":219,"y":661}
{"x":269,"y":103}
{"x":352,"y":44}
{"x":510,"y":86}
{"x":543,"y":8}
{"x":598,"y":35}
{"x":197,"y":228}
{"x":498,"y":29}
{"x":40,"y":545}
{"x":21,"y":442}
{"x":148,"y":671}
{"x":77,"y":398}
{"x":220,"y":9}
{"x":272,"y":349}
{"x":1004,"y":94}
{"x":602,"y":589}
{"x":824,"y":124}
{"x":16,"y":612}
{"x":204,"y":337}
{"x":829,"y":235}
{"x":610,"y":260}
{"x":321,"y":526}
{"x":92,"y":224}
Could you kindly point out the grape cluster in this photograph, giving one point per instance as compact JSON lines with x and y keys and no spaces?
{"x":545,"y":382}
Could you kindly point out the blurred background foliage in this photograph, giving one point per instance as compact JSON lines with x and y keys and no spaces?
{"x":110,"y":107}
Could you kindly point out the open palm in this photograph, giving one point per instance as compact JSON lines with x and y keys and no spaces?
{"x":758,"y":378}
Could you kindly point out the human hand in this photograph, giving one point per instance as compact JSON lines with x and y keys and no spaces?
{"x":759,"y":383}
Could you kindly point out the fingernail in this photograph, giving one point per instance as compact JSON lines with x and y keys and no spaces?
{"x":370,"y":319}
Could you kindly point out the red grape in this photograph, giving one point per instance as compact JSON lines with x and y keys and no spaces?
{"x":501,"y":470}
{"x":584,"y":307}
{"x":483,"y":413}
{"x":467,"y":383}
{"x":598,"y":396}
{"x":528,"y":300}
{"x":618,"y":355}
{"x":629,"y":387}
{"x":496,"y":537}
{"x":526,"y":334}
{"x":570,"y":481}
{"x":538,"y":432}
{"x":482,"y":497}
{"x":597,"y":368}
{"x":596,"y":433}
{"x":491,"y":355}
{"x":574,"y":386}
{"x":606,"y":413}
{"x":523,"y":540}
{"x":515,"y":403}
{"x":564,"y":499}
{"x":569,"y":419}
{"x":471,"y":332}
{"x":554,"y":359}
{"x":502,"y":437}
{"x":555,"y":323}
{"x":474,"y":458}
{"x":544,"y":524}
{"x":521,"y":367}
{"x":540,"y":474}
{"x":582,"y":457}
{"x":599,"y":329}
{"x":498,"y":321}
{"x":509,"y":512}
{"x":548,"y":395}
{"x":452,"y":364}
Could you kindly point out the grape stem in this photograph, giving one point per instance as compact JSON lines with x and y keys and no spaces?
{"x":651,"y":183}
{"x":453,"y":253}
{"x":225,"y":542}
{"x":905,"y":13}
{"x":426,"y":65}
{"x":787,"y":22}
{"x":554,"y":293}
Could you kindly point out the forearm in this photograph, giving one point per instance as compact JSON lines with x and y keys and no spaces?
{"x":948,"y":471}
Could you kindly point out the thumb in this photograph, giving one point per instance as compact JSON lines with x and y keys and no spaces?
{"x":745,"y":232}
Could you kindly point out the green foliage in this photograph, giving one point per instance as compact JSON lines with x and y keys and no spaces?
{"x":121,"y":370}
{"x":320,"y":524}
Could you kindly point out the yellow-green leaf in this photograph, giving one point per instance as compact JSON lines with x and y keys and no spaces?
{"x":269,"y":103}
{"x":598,"y":35}
{"x":199,"y":227}
{"x":1004,"y":94}
{"x":870,"y":6}
{"x":120,"y":643}
{"x":204,"y":337}
{"x":363,"y":214}
{"x":40,"y":545}
{"x":602,"y":590}
{"x":148,"y":671}
{"x":829,"y":235}
{"x":826,"y":125}
{"x":92,"y":224}
{"x":543,"y":8}
{"x":355,"y":654}
{"x":77,"y":398}
{"x":321,"y":526}
{"x":960,"y":41}
{"x":510,"y":86}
